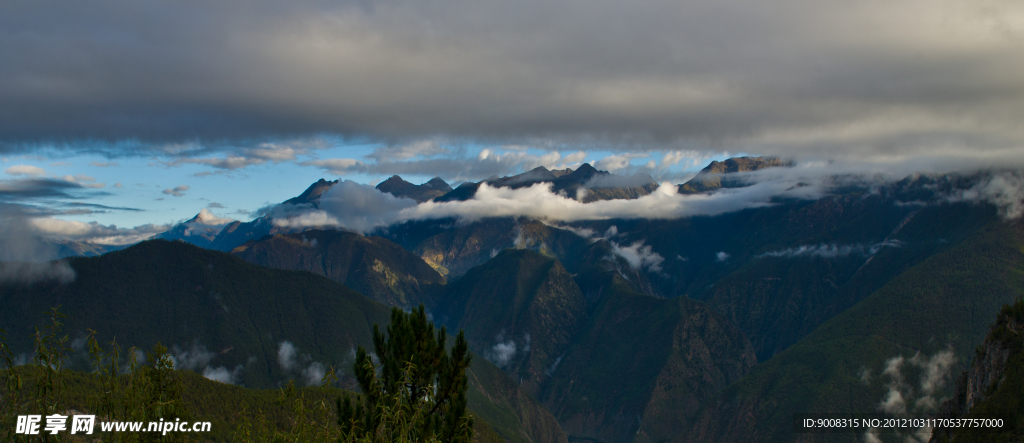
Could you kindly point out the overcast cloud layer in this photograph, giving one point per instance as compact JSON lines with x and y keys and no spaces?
{"x":889,"y":81}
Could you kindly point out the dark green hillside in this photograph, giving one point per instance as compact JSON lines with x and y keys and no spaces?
{"x":641,"y":365}
{"x":373,"y":266}
{"x":778,"y":300}
{"x":188,"y":297}
{"x":944,"y":302}
{"x":519,"y":298}
{"x":219,"y":313}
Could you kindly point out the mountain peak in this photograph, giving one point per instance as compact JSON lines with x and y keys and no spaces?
{"x":207,"y":218}
{"x":438,"y":183}
{"x":393,"y":180}
{"x":714,"y":175}
{"x":312,"y":194}
{"x":585,"y":168}
{"x":400,"y":188}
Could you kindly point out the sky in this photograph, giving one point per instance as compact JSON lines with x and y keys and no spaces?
{"x":123,"y":117}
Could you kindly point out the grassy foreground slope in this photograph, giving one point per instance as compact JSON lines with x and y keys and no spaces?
{"x":254,"y":326}
{"x":937,"y":309}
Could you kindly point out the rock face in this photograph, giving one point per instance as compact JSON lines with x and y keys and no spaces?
{"x":373,"y":266}
{"x":994,"y":384}
{"x":428,"y":191}
{"x":659,"y":360}
{"x":521,"y":310}
{"x":723,"y":174}
{"x":612,"y":367}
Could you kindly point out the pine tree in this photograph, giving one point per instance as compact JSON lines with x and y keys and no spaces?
{"x":417,"y":391}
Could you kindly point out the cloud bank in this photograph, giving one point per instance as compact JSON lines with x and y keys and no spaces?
{"x":362,"y":208}
{"x":794,"y":77}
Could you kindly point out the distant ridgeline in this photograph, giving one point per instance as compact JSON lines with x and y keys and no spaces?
{"x":869,"y":298}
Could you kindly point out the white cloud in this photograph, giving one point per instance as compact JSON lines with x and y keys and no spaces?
{"x":25,"y":170}
{"x":502,"y":353}
{"x":616,"y":162}
{"x":1003,"y":189}
{"x":83,"y":180}
{"x":314,"y":374}
{"x":94,"y":232}
{"x":639,"y":256}
{"x":222,"y":374}
{"x":575,"y":157}
{"x":354,"y":206}
{"x":833,"y":250}
{"x":177,"y":191}
{"x":935,"y":372}
{"x":721,"y":256}
{"x":429,"y":159}
{"x":362,"y":208}
{"x":26,"y":272}
{"x":286,"y":354}
{"x":190,"y":359}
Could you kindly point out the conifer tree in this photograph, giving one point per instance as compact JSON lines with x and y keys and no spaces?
{"x":417,"y":391}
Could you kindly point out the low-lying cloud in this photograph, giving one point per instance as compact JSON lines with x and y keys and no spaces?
{"x":903,"y":396}
{"x":28,"y":273}
{"x":833,"y":250}
{"x":348,"y":204}
{"x":292,"y":362}
{"x":934,"y":374}
{"x":362,"y":208}
{"x":286,"y":355}
{"x":504,"y":351}
{"x":222,"y":374}
{"x":93,"y":232}
{"x":639,"y":256}
{"x":1003,"y":189}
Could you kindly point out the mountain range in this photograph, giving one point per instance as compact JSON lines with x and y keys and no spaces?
{"x":868,"y":297}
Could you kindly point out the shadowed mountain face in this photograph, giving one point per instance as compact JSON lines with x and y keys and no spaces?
{"x":906,"y":340}
{"x":218,"y":313}
{"x":521,"y":310}
{"x":777,"y":272}
{"x":373,"y":266}
{"x":311,"y":195}
{"x":603,"y":366}
{"x":660,"y":359}
{"x":428,"y":191}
